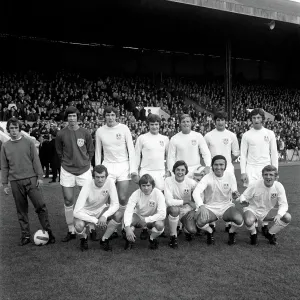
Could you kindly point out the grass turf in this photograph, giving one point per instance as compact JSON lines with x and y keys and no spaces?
{"x":194,"y":271}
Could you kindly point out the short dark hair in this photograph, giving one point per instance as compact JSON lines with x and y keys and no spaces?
{"x":71,"y":110}
{"x":13,"y":121}
{"x":180,"y":163}
{"x":99,"y":169}
{"x":145,"y":179}
{"x":109,"y":109}
{"x":153,"y":118}
{"x":219,"y":157}
{"x":270,"y":168}
{"x":220,"y":115}
{"x":257,"y":111}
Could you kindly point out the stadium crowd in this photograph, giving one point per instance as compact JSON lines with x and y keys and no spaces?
{"x":39,"y":100}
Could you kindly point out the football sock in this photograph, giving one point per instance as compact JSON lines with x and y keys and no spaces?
{"x":70,"y":218}
{"x":227,"y":224}
{"x":277,"y":227}
{"x":252,"y":229}
{"x":207,"y":228}
{"x":173,"y":221}
{"x":155,"y":233}
{"x":111,"y":227}
{"x":234,"y":227}
{"x":82,"y":234}
{"x":91,"y":227}
{"x":264,"y":223}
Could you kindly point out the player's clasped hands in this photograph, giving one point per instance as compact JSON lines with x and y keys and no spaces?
{"x":102,"y":223}
{"x":277,"y":218}
{"x":203,"y":212}
{"x":244,"y":178}
{"x":135,"y":177}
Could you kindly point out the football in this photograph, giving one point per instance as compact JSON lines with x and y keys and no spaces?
{"x":41,"y":237}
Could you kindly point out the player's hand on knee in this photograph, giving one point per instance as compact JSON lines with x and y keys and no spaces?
{"x":135,"y":177}
{"x":244,"y":178}
{"x":190,"y":215}
{"x":204,"y":214}
{"x":130,"y":236}
{"x":277,"y":218}
{"x":102,"y":223}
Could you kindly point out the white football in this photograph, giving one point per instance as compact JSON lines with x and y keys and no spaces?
{"x":41,"y":237}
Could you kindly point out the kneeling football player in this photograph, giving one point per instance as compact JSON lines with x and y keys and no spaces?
{"x":213,"y":196}
{"x":146,"y":208}
{"x":262,"y":196}
{"x":96,"y":204}
{"x":178,"y":193}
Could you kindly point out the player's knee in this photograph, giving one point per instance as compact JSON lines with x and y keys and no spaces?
{"x":118,"y":216}
{"x":200,"y":223}
{"x":159,"y":225}
{"x":79,"y":225}
{"x":123,"y":200}
{"x":173,"y":211}
{"x":238,"y":219}
{"x":191,"y":229}
{"x":287,"y":218}
{"x":68,"y":201}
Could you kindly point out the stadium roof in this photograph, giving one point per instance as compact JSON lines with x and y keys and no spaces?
{"x":158,"y":24}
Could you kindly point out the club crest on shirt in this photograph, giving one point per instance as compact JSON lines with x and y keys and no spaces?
{"x":105,"y":192}
{"x":225,"y":186}
{"x":80,"y":142}
{"x":273,"y":195}
{"x":194,"y":142}
{"x":186,"y":191}
{"x":118,"y":136}
{"x":161,"y":143}
{"x":151,"y":203}
{"x":266,"y":138}
{"x":225,"y":141}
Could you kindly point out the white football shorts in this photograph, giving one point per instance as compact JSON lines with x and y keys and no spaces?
{"x":158,"y":177}
{"x":118,"y":171}
{"x":70,"y":180}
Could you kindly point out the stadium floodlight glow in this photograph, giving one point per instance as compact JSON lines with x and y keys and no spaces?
{"x":271,"y":25}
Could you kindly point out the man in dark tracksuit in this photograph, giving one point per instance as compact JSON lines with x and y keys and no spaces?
{"x":20,"y":165}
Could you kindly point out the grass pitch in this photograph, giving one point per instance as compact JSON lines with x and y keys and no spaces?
{"x":194,"y":271}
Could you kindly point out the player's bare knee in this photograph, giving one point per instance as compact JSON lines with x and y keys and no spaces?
{"x":173,"y":211}
{"x":287,"y":218}
{"x":191,"y":229}
{"x":238,"y":219}
{"x":79,"y":225}
{"x":159,"y":225}
{"x":123,"y":200}
{"x":118,"y":216}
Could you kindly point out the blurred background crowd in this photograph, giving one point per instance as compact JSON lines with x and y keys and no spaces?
{"x":39,"y":101}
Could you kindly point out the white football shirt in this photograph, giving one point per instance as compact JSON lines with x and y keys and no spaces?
{"x":117,"y":145}
{"x":150,"y":151}
{"x":187,"y":147}
{"x":258,"y":148}
{"x":92,"y":198}
{"x":152,"y":207}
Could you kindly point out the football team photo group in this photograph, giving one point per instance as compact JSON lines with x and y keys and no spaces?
{"x":184,"y":185}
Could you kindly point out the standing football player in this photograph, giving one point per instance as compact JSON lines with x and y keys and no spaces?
{"x":187,"y":146}
{"x":261,"y":197}
{"x":75,"y":149}
{"x":150,"y":152}
{"x":118,"y":154}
